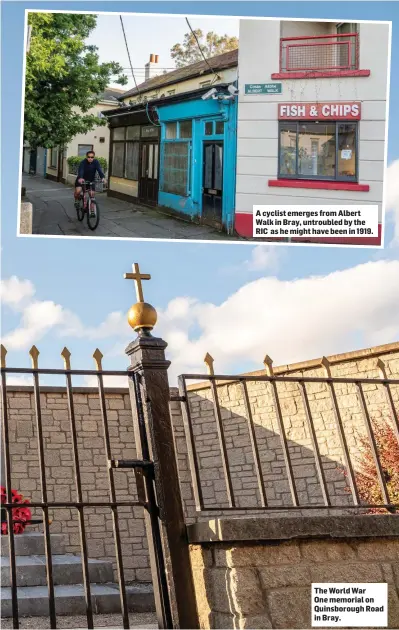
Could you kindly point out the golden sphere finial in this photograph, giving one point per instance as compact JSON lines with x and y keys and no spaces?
{"x":142,"y":315}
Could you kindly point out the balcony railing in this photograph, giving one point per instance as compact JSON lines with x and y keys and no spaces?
{"x":320,"y":53}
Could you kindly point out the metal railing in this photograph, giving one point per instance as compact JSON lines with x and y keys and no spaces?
{"x":320,"y":53}
{"x":286,"y":452}
{"x":145,"y":490}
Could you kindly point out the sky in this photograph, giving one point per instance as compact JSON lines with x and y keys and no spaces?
{"x":147,"y":35}
{"x":238,"y":302}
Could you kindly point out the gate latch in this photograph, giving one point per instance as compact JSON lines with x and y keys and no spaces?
{"x":141,"y":467}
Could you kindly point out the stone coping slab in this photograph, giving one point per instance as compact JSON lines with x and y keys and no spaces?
{"x":287,"y":528}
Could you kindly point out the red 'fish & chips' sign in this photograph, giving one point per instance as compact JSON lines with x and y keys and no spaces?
{"x":319,"y":111}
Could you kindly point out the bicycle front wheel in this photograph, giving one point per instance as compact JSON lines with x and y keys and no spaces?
{"x":93,"y":215}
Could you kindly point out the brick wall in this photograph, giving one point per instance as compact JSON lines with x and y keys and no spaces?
{"x":59,"y":457}
{"x":267,"y":583}
{"x":60,"y":476}
{"x":240,"y":457}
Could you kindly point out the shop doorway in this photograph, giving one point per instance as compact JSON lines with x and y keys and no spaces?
{"x":212,"y":184}
{"x":149,"y":169}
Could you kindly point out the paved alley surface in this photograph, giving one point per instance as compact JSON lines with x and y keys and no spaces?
{"x":54,"y":213}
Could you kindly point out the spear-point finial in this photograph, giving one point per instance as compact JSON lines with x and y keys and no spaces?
{"x":208,"y":360}
{"x":34,"y":355}
{"x":268,"y":363}
{"x":97,"y":356}
{"x":66,"y":355}
{"x":326,"y":365}
{"x":3,"y":353}
{"x":142,"y":317}
{"x":382,"y":368}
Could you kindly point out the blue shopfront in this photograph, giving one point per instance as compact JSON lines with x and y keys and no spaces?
{"x":197,"y":170}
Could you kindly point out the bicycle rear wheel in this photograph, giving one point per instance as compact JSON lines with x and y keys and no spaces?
{"x":79,"y":209}
{"x":93,"y":221}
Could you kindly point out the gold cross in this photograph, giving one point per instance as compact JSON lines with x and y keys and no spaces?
{"x":137,"y":277}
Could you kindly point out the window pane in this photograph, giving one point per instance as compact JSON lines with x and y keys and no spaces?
{"x":132,"y":133}
{"x":83,"y":149}
{"x":132,"y":160}
{"x":219,"y":127}
{"x":208,"y":168}
{"x":118,"y":150}
{"x":143,"y":160}
{"x":347,"y":150}
{"x":218,"y":166}
{"x":156,"y":147}
{"x":54,"y":158}
{"x":119,"y":133}
{"x":287,"y":148}
{"x":171,"y":131}
{"x":151,"y":131}
{"x":186,"y":129}
{"x":209,"y":128}
{"x":176,"y":167}
{"x":316,"y":150}
{"x":150,"y":158}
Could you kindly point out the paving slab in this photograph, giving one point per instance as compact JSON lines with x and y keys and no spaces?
{"x":54,"y":214}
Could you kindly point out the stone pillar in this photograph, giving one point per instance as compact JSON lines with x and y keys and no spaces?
{"x":147,"y":358}
{"x":150,"y":397}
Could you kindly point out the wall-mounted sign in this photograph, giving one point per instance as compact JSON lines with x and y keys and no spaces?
{"x":263,"y":88}
{"x":319,"y":111}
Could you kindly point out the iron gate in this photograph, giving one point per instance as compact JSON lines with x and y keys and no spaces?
{"x":284,"y":448}
{"x":145,"y":488}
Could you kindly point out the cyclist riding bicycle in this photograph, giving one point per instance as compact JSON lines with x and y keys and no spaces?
{"x":87,"y":173}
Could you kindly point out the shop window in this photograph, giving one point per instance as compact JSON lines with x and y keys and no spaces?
{"x":176,"y":168}
{"x":150,"y":131}
{"x":118,"y":133}
{"x":171,"y":130}
{"x":219,"y":127}
{"x":133,"y":133}
{"x":118,"y":150}
{"x":132,"y":160}
{"x":310,"y":150}
{"x":83,"y":149}
{"x":209,"y":128}
{"x":186,"y":129}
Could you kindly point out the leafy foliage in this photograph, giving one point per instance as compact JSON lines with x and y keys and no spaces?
{"x":75,"y":160}
{"x":64,"y":79}
{"x":366,"y":477}
{"x":211,"y":45}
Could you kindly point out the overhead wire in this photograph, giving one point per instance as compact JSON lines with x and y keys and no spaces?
{"x":216,"y":76}
{"x":128,"y":54}
{"x":134,"y":78}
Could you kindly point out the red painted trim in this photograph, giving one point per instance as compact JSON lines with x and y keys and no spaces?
{"x":318,"y":184}
{"x":292,"y":39}
{"x":320,"y":74}
{"x":243,"y":225}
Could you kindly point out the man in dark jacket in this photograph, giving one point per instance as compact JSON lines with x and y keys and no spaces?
{"x":87,"y":173}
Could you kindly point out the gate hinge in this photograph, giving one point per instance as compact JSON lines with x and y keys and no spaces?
{"x":177,"y":399}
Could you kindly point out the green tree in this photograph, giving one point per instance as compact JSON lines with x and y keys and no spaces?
{"x":64,"y":78}
{"x":211,"y":45}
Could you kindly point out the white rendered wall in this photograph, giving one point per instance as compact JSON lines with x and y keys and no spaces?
{"x":257,"y":144}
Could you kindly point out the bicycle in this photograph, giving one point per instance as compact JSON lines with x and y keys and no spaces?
{"x":88,"y":205}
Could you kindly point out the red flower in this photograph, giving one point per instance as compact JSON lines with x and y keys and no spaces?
{"x":20,"y":513}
